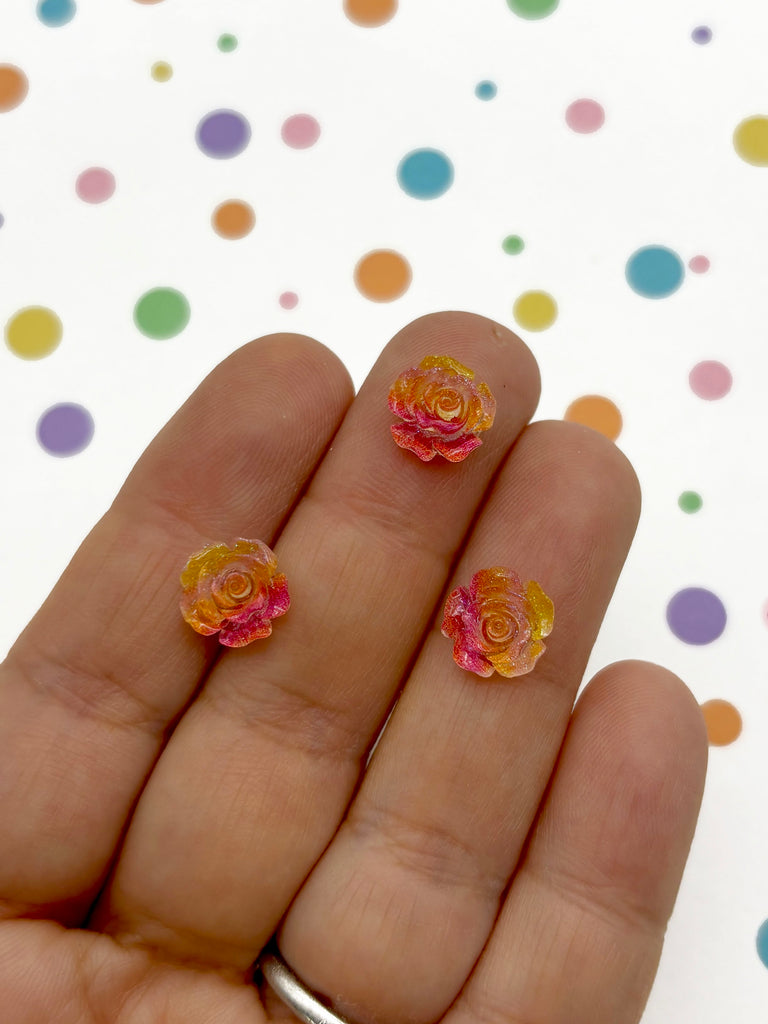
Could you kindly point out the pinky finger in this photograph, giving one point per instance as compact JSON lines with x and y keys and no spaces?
{"x":580,"y":934}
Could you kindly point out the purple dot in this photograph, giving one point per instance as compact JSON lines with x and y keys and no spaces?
{"x":65,"y":429}
{"x":702,"y":34}
{"x":223,"y":134}
{"x":696,"y":615}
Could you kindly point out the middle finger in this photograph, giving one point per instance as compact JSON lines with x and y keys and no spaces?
{"x":259,"y":772}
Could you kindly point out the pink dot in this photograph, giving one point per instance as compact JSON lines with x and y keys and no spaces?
{"x":289,"y":300}
{"x":95,"y":185}
{"x":699,"y":264}
{"x":710,"y":379}
{"x":300,"y":131}
{"x":585,"y":116}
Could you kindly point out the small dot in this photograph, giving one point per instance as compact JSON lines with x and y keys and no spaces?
{"x":535,"y":311}
{"x":162,"y":71}
{"x":227,"y":43}
{"x":710,"y":380}
{"x":14,"y":86}
{"x":382,"y":275}
{"x":762,"y":942}
{"x":485,"y":90}
{"x":289,"y":300}
{"x":702,"y":34}
{"x":699,"y":264}
{"x":65,"y":429}
{"x":425,"y":173}
{"x":723,"y":722}
{"x":597,"y":412}
{"x":654,"y":272}
{"x":34,"y":332}
{"x":56,"y":12}
{"x":161,"y":313}
{"x":95,"y":185}
{"x":2,"y":220}
{"x":233,"y":219}
{"x":696,"y":616}
{"x":750,"y":140}
{"x":585,"y":116}
{"x":513,"y":245}
{"x":532,"y":9}
{"x":300,"y":131}
{"x":370,"y":13}
{"x":690,"y":501}
{"x":223,"y":134}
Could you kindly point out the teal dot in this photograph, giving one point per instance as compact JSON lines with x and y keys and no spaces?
{"x":762,"y":942}
{"x":227,"y":43}
{"x":513,"y":244}
{"x":56,"y":12}
{"x":425,"y":173}
{"x":485,"y":90}
{"x":690,"y":501}
{"x":654,"y":272}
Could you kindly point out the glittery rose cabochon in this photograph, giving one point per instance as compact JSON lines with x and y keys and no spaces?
{"x":235,"y":592}
{"x":442,"y":408}
{"x":497,"y":623}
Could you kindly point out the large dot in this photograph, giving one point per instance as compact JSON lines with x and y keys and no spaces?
{"x":485,"y":90}
{"x":14,"y":86}
{"x":690,"y":501}
{"x":161,"y":71}
{"x":161,"y":313}
{"x":513,"y":245}
{"x":710,"y":379}
{"x":233,"y":219}
{"x":227,"y":42}
{"x":535,"y":311}
{"x":654,"y":271}
{"x":762,"y":942}
{"x":585,"y":116}
{"x":65,"y":429}
{"x":95,"y":185}
{"x":532,"y":9}
{"x":370,"y":13}
{"x":223,"y":134}
{"x":750,"y":140}
{"x":383,"y":275}
{"x":597,"y":412}
{"x":702,"y":34}
{"x":56,"y":12}
{"x":289,"y":300}
{"x":425,"y":173}
{"x":34,"y":332}
{"x":300,"y":131}
{"x":696,"y":615}
{"x":723,"y":722}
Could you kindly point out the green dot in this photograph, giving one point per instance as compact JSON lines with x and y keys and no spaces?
{"x":161,"y":313}
{"x":227,"y":43}
{"x":690,"y":501}
{"x":513,"y":244}
{"x":533,"y":9}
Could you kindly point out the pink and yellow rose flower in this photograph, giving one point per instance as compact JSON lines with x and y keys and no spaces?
{"x":443,"y":409}
{"x":496,"y":624}
{"x":235,"y":592}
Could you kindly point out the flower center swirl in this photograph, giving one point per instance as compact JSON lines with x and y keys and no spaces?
{"x":498,"y":626}
{"x":445,"y":403}
{"x":235,"y":587}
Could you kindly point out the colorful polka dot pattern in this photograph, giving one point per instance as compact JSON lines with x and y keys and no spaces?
{"x":654,"y":275}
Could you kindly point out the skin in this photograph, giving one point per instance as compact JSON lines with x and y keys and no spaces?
{"x":166,"y":805}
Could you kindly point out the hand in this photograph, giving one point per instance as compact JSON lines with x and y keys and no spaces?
{"x":166,"y":803}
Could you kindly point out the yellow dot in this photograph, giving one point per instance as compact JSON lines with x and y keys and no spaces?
{"x":535,"y":311}
{"x":596,"y":412}
{"x":723,"y":722}
{"x":383,"y":275}
{"x":161,"y":71}
{"x":33,"y":333}
{"x":750,"y":141}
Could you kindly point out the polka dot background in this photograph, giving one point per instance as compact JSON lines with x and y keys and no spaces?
{"x":533,"y":170}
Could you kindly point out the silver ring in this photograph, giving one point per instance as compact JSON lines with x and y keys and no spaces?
{"x":307,"y":1006}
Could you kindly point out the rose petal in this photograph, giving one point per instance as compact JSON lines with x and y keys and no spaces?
{"x":446,"y":363}
{"x":457,"y":449}
{"x":471,"y":661}
{"x":239,"y":632}
{"x":279,"y":598}
{"x":542,"y":608}
{"x":408,"y":436}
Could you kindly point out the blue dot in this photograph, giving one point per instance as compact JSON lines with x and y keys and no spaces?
{"x":56,"y":12}
{"x":654,"y":272}
{"x":425,"y":173}
{"x":762,"y":942}
{"x":485,"y":90}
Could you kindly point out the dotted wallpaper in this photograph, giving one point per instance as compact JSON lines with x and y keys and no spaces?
{"x":179,"y":176}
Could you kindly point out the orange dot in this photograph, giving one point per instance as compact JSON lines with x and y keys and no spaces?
{"x":723,"y":722}
{"x":233,"y":219}
{"x":383,"y":275}
{"x":596,"y":412}
{"x":370,"y":12}
{"x":14,"y":86}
